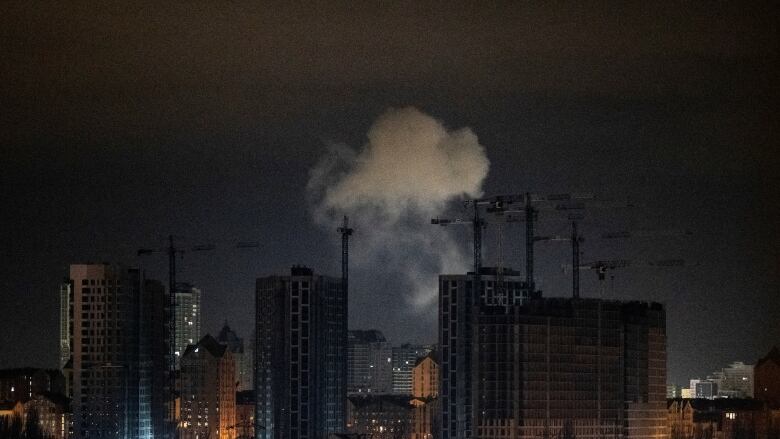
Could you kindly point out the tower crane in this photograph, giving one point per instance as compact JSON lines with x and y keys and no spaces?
{"x":601,"y":267}
{"x":515,"y":208}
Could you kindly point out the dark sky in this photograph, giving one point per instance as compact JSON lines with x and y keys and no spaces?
{"x":122,"y":122}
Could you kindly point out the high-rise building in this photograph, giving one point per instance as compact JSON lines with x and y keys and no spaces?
{"x":208,"y":393}
{"x":117,"y":334}
{"x":369,"y":362}
{"x":187,"y":317}
{"x":241,"y":355}
{"x":403,"y":359}
{"x":300,"y":356}
{"x":515,"y":365}
{"x":154,"y":352}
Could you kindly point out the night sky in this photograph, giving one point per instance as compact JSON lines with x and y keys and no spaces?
{"x":124,"y":122}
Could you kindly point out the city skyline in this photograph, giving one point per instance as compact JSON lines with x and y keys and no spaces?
{"x":211,"y":122}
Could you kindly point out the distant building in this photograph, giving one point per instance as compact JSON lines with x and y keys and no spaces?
{"x":704,"y":389}
{"x":519,"y":366}
{"x":300,"y":356}
{"x":369,"y":362}
{"x":188,"y":311}
{"x":767,"y":379}
{"x":686,"y":393}
{"x":380,"y":416}
{"x":208,"y":393}
{"x":242,"y":356}
{"x":117,"y":337}
{"x":673,"y":391}
{"x":404,"y":358}
{"x":734,"y":381}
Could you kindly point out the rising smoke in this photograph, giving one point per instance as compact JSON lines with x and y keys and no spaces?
{"x":411,"y":169}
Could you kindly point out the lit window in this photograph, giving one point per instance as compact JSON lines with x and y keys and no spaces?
{"x":731,"y":415}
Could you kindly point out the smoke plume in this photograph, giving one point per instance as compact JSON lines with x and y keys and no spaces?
{"x":410,"y":170}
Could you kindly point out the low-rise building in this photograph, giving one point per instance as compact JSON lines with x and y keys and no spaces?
{"x":721,"y":418}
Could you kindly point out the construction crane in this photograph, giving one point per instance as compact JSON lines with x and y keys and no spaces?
{"x":529,"y":205}
{"x":345,"y":232}
{"x":601,"y":267}
{"x":515,"y":208}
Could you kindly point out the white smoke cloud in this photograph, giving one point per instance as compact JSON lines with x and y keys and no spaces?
{"x":410,"y":169}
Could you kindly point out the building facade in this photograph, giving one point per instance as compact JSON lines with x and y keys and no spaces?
{"x":380,"y":416}
{"x":300,"y":356}
{"x":369,"y":362}
{"x":187,"y":317}
{"x":404,"y":358}
{"x":519,"y":366}
{"x":66,"y":320}
{"x":115,"y":326}
{"x":425,"y":393}
{"x":208,"y":393}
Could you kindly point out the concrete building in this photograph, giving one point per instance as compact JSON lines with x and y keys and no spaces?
{"x":208,"y":393}
{"x":734,"y":381}
{"x":767,"y":379}
{"x":241,"y":355}
{"x":187,"y":317}
{"x":369,"y":362}
{"x":300,"y":356}
{"x":404,"y":358}
{"x":519,"y":366}
{"x":117,"y":336}
{"x":380,"y":416}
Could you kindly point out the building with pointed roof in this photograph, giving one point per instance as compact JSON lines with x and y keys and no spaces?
{"x":208,"y":393}
{"x":242,"y":355}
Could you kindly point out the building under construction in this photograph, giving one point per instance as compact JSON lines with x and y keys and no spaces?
{"x":516,"y":365}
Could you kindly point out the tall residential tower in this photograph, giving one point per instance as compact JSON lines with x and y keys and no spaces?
{"x":300,"y":356}
{"x":117,"y":339}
